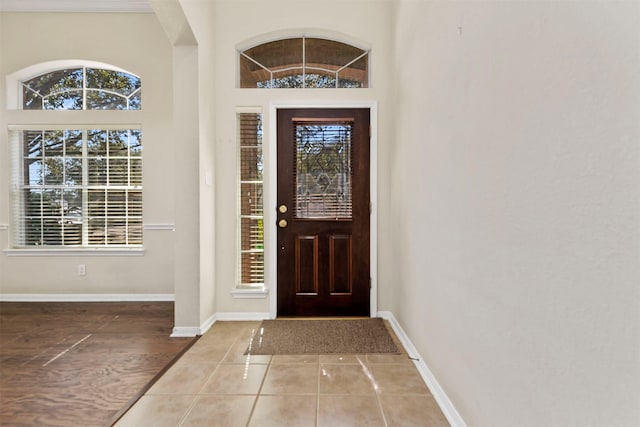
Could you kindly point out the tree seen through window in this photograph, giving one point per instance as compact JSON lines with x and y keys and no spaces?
{"x":304,"y":62}
{"x":82,"y":89}
{"x":81,"y":187}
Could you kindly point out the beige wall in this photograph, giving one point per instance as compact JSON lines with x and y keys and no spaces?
{"x":136,"y":43}
{"x":515,"y":197}
{"x":199,"y":15}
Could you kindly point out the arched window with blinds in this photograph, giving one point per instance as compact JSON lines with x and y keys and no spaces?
{"x":76,"y":185}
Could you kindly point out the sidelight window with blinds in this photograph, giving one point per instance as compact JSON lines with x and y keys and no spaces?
{"x":250,"y":203}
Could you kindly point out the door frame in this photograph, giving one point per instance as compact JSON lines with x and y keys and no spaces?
{"x":270,"y":152}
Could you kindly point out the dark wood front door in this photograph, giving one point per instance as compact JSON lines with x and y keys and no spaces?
{"x":323,"y":212}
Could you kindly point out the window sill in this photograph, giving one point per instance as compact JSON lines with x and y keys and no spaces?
{"x":246,"y":293}
{"x":54,"y":252}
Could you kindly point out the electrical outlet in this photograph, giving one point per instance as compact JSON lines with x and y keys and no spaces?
{"x":82,"y":270}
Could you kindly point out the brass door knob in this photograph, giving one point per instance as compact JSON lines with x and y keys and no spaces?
{"x":282,"y":223}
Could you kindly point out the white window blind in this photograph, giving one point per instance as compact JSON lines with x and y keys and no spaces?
{"x":250,"y":203}
{"x":76,"y":187}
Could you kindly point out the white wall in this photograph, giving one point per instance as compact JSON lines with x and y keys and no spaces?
{"x":515,"y":197}
{"x":200,"y":15}
{"x":136,"y":43}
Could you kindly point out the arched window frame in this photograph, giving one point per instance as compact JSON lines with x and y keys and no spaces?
{"x":109,"y":120}
{"x":330,"y":69}
{"x":14,"y":81}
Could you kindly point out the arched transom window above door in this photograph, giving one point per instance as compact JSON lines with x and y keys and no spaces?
{"x":304,"y":62}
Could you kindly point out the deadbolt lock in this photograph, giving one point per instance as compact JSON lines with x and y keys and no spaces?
{"x":282,"y":208}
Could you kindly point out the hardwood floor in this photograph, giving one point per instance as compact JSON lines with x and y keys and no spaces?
{"x":65,"y":364}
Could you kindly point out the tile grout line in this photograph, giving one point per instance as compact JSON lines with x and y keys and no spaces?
{"x":369,"y":363}
{"x":318,"y":394}
{"x":198,"y":393}
{"x":188,"y":411}
{"x":255,"y":401}
{"x":378,"y":398}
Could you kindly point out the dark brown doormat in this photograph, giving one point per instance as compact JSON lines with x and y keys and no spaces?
{"x":331,"y":336}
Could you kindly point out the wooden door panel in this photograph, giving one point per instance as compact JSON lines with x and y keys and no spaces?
{"x":323,"y":184}
{"x":306,"y":265}
{"x":340,"y":260}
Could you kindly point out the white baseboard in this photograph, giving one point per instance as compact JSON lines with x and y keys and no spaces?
{"x":231,"y":316}
{"x":207,"y":324}
{"x":192,"y":331}
{"x":85,"y":297}
{"x":185,"y":331}
{"x":441,"y":397}
{"x":241,"y":316}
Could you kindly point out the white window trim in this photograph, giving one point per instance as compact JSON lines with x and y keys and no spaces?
{"x":250,"y":293}
{"x":63,"y":252}
{"x":85,"y":250}
{"x":74,"y":126}
{"x":304,"y":67}
{"x":98,"y":251}
{"x":14,"y":80}
{"x":108,"y":120}
{"x":307,"y":33}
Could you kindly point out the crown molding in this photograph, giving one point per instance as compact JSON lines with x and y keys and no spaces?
{"x":136,"y":6}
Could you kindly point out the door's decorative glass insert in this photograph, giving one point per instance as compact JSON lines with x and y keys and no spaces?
{"x":304,"y":62}
{"x":79,"y":187}
{"x":322,"y":169}
{"x":251,"y":220}
{"x":82,"y":88}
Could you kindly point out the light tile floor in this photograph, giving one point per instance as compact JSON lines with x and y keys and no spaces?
{"x":215,"y":384}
